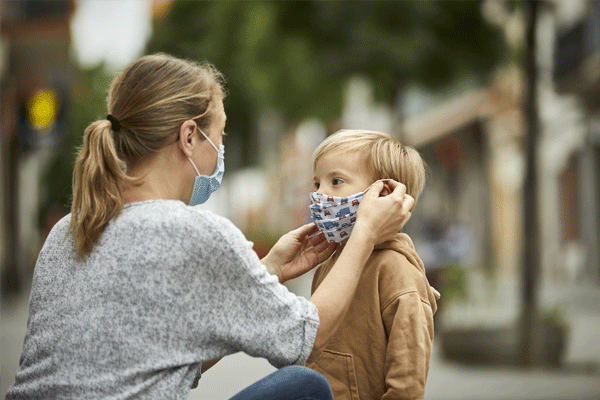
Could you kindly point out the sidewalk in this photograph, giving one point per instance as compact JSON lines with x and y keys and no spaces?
{"x":447,"y":381}
{"x":451,"y":381}
{"x":13,"y":322}
{"x":579,"y":379}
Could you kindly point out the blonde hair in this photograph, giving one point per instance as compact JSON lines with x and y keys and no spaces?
{"x":384,"y":157}
{"x":151,"y":98}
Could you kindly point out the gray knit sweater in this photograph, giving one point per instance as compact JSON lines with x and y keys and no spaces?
{"x":166,"y":287}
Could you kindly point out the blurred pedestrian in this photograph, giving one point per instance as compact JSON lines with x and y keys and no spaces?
{"x":135,"y":293}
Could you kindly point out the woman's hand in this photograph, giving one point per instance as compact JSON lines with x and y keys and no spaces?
{"x":295,"y":253}
{"x":384,"y":211}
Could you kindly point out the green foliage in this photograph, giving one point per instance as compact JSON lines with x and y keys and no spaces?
{"x":454,"y":283}
{"x":87,"y":104}
{"x":263,"y":239}
{"x":296,"y":56}
{"x":553,"y":317}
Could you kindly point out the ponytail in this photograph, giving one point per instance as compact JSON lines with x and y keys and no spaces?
{"x":98,"y":180}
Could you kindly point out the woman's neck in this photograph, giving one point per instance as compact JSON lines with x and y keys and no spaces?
{"x":157,"y":179}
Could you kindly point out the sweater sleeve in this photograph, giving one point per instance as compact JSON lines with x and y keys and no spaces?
{"x":251,"y":311}
{"x":407,"y":321}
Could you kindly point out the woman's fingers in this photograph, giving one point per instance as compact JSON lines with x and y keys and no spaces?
{"x":375,"y":189}
{"x":385,"y":216}
{"x":320,"y":247}
{"x":304,"y":230}
{"x":317,"y":239}
{"x":324,"y":250}
{"x":408,"y":202}
{"x":398,"y":189}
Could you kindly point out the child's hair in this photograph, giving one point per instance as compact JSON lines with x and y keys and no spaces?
{"x":151,"y":98}
{"x":384,"y":157}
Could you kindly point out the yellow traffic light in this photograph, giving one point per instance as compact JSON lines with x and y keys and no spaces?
{"x":42,"y":108}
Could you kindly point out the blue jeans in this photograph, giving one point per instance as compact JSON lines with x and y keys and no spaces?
{"x":289,"y":383}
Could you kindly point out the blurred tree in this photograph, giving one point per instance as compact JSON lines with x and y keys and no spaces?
{"x":529,"y":329}
{"x":297,"y":56}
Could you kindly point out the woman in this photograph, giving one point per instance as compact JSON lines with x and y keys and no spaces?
{"x":135,"y":293}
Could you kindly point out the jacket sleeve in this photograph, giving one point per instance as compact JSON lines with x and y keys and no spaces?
{"x":409,"y":323}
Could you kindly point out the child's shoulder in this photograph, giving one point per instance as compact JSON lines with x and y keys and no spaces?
{"x":397,"y":264}
{"x":399,"y":253}
{"x":391,"y":266}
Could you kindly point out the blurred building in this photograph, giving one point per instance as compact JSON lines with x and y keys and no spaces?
{"x":35,"y":85}
{"x":469,"y":216}
{"x":573,"y":139}
{"x":472,"y":137}
{"x":471,"y":213}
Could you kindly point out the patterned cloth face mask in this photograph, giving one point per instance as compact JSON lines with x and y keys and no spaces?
{"x":335,"y":216}
{"x":204,"y":185}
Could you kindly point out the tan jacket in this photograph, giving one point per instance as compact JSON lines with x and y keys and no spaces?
{"x":382,"y":348}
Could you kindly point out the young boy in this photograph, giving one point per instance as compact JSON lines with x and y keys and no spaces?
{"x":382,"y":348}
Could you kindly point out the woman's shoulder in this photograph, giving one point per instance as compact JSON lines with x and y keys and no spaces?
{"x":169,"y":213}
{"x":218,"y":221}
{"x":59,"y":231}
{"x":178,"y":219}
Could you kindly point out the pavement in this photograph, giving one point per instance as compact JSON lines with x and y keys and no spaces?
{"x":578,"y":378}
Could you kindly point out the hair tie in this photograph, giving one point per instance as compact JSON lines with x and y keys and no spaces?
{"x":114,"y":122}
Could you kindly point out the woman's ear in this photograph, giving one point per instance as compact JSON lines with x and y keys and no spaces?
{"x":187,"y":137}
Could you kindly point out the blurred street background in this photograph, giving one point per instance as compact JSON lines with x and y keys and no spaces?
{"x":501,"y":98}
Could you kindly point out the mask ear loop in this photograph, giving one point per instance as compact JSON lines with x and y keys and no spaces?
{"x":380,"y":180}
{"x":197,"y":172}
{"x":212,"y":144}
{"x":210,"y":141}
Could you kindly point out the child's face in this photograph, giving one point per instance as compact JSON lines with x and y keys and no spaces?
{"x":341,"y":174}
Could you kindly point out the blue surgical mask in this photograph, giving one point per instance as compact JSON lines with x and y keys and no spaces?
{"x":204,"y":185}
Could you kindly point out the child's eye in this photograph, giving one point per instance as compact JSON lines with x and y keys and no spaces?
{"x":316,"y":185}
{"x":336,"y":181}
